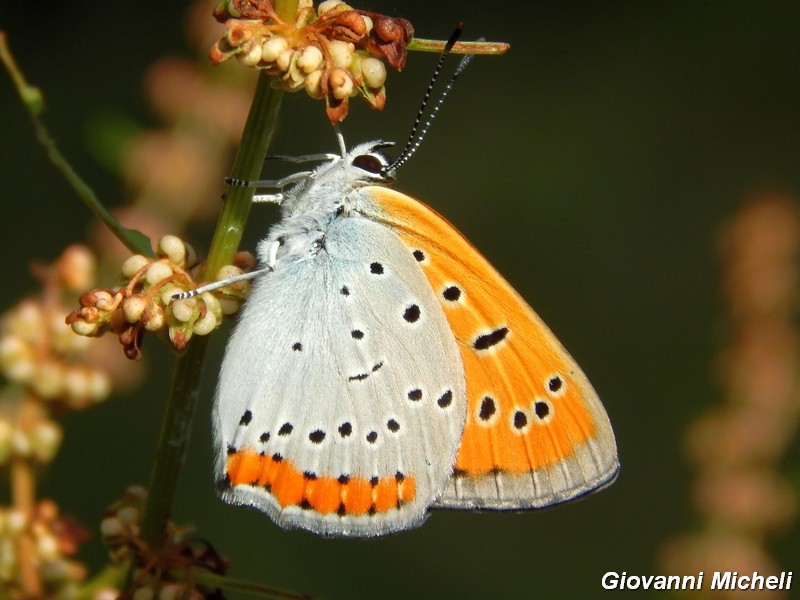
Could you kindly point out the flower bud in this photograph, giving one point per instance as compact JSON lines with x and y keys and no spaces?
{"x":76,"y":383}
{"x":84,"y":327}
{"x":133,"y":307}
{"x":103,"y":300}
{"x":16,"y":359}
{"x":173,"y":248}
{"x":99,"y":385}
{"x":284,"y":59}
{"x":368,"y":25}
{"x":20,"y":444}
{"x":48,"y":379}
{"x":341,"y":52}
{"x":184,"y":310}
{"x":328,"y":5}
{"x":341,"y":84}
{"x":205,"y":324}
{"x":111,"y":527}
{"x":45,"y":439}
{"x":272,"y":48}
{"x":153,"y":317}
{"x":250,"y":55}
{"x":310,"y":59}
{"x":230,"y":305}
{"x":27,"y":320}
{"x":158,"y":272}
{"x":133,"y":264}
{"x":374,"y":72}
{"x":312,"y":84}
{"x":76,"y":267}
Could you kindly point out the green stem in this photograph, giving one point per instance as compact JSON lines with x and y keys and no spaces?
{"x":33,"y":100}
{"x":247,"y":166}
{"x":173,"y":441}
{"x":424,"y":45}
{"x":175,"y":429}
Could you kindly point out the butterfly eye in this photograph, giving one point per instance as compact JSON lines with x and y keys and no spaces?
{"x":369,"y":163}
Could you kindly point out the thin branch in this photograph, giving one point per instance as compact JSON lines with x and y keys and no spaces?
{"x":33,"y":101}
{"x":491,"y":48}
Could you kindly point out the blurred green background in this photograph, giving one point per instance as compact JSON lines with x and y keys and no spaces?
{"x":592,"y":165}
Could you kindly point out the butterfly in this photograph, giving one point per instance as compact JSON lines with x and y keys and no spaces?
{"x":382,"y":367}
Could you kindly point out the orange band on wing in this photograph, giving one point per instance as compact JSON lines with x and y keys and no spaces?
{"x":507,"y":351}
{"x":343,"y":495}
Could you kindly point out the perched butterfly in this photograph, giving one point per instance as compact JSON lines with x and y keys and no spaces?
{"x":382,"y":367}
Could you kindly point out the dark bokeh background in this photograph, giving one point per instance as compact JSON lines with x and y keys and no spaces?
{"x":592,"y":165}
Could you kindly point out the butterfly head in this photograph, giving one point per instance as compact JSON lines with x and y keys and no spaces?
{"x":326,"y":188}
{"x":369,"y":165}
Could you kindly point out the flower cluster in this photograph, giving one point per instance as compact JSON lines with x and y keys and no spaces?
{"x":146,"y":302}
{"x":52,"y":539}
{"x":739,"y":446}
{"x":333,"y":52}
{"x":33,"y":437}
{"x":121,"y":529}
{"x":39,"y":351}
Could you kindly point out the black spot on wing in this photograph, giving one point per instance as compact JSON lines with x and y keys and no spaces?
{"x":488,"y":340}
{"x":451,"y":293}
{"x":488,"y":408}
{"x":445,"y":399}
{"x":412,"y":313}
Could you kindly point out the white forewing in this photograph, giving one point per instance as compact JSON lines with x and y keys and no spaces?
{"x":344,"y":338}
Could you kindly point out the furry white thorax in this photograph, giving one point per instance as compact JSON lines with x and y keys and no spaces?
{"x":310,"y":207}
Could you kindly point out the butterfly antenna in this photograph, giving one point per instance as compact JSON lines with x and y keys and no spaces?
{"x":414,"y":140}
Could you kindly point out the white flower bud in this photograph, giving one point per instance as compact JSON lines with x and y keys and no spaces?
{"x":272,"y":48}
{"x":157,"y":272}
{"x":133,"y":264}
{"x":341,"y":52}
{"x":184,"y":310}
{"x":251,"y":54}
{"x":374,"y":72}
{"x":173,"y":248}
{"x":133,"y":307}
{"x":205,"y":324}
{"x":312,"y":84}
{"x":284,"y":59}
{"x":111,"y":527}
{"x":327,"y":5}
{"x":310,"y":60}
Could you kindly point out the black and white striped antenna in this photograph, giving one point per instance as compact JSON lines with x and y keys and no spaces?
{"x":414,"y":140}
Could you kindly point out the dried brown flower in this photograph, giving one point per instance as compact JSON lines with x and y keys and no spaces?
{"x":333,"y":52}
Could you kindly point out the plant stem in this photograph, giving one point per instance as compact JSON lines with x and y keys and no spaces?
{"x":23,"y":490}
{"x":176,"y":427}
{"x":33,"y":100}
{"x":424,"y":45}
{"x":247,"y":166}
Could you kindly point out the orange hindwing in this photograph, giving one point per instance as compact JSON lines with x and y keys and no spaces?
{"x":536,"y":432}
